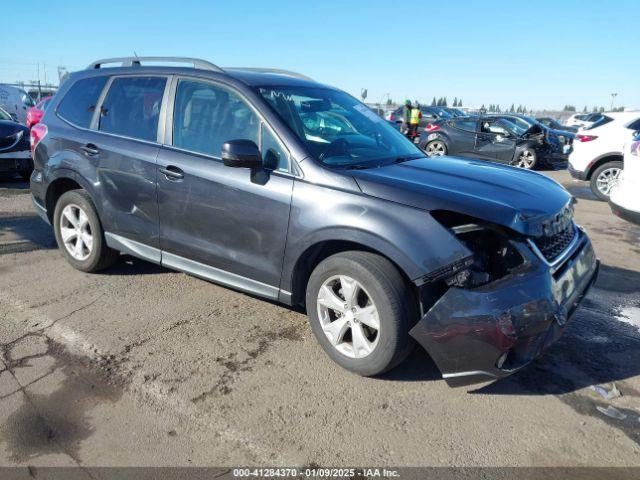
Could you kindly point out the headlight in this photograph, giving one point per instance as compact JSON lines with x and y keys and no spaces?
{"x":16,"y":136}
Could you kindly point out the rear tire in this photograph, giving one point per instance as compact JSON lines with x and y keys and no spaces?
{"x":380,"y":290}
{"x":603,"y":178}
{"x":79,"y":233}
{"x":435,"y":148}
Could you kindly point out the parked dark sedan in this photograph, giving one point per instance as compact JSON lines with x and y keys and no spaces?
{"x":561,"y":140}
{"x":490,"y":138}
{"x":553,"y":124}
{"x":15,"y":153}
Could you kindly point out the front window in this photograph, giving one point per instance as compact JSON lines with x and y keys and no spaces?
{"x":337,"y":129}
{"x":4,"y":115}
{"x":206,"y":116}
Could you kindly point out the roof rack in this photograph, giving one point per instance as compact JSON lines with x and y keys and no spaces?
{"x":288,"y":73}
{"x":136,"y":62}
{"x":197,"y":63}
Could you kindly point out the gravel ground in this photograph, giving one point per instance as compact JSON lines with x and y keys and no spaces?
{"x":139,"y":365}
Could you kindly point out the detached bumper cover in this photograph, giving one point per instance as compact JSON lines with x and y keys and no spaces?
{"x":490,"y":332}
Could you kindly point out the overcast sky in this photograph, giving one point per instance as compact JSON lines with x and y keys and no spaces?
{"x":541,"y":53}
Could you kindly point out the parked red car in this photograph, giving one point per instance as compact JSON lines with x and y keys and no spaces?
{"x":34,"y":114}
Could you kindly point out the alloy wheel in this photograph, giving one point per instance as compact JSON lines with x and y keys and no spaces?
{"x":348,"y":316}
{"x":526,"y":160}
{"x":76,"y":232}
{"x":435,"y":149}
{"x":607,"y":179}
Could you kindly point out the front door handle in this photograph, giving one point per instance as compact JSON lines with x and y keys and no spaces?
{"x":90,"y":149}
{"x":172,"y":172}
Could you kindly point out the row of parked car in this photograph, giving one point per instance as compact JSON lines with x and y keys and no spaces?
{"x":594,"y":146}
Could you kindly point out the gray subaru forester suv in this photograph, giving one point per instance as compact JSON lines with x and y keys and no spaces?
{"x":268,"y":182}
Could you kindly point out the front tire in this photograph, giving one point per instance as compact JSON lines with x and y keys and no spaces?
{"x":79,"y":233}
{"x":604,"y":177}
{"x":527,"y":159}
{"x":361,"y":309}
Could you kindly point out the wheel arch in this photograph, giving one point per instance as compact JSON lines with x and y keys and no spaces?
{"x":315,"y":253}
{"x":607,"y":157}
{"x":64,"y":181}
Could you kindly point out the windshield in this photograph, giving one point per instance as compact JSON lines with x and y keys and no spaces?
{"x":4,"y":115}
{"x":337,"y":129}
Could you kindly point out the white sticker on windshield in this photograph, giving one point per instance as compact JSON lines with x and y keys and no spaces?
{"x":367,"y":112}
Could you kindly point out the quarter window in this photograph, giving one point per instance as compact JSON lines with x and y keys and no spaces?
{"x":79,"y":103}
{"x":132,"y":107}
{"x":274,"y":156}
{"x":206,"y":116}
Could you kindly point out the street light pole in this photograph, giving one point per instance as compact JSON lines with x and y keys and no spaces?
{"x":613,"y":96}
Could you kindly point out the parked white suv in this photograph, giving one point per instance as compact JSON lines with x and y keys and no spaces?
{"x":624,"y":199}
{"x":597,"y":151}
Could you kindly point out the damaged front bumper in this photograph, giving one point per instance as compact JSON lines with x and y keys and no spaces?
{"x":486,"y":333}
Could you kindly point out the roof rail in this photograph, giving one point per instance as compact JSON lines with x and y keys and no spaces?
{"x":136,"y":62}
{"x":288,"y":73}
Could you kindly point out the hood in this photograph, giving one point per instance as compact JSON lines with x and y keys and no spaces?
{"x":518,"y":199}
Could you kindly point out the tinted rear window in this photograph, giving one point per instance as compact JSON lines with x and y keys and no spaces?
{"x":78,"y":104}
{"x":132,"y":107}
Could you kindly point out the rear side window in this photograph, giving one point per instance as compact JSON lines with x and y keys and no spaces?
{"x":132,"y":107}
{"x":205,"y":116}
{"x":79,"y":103}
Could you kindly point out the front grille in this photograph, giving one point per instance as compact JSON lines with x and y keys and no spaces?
{"x":552,"y":246}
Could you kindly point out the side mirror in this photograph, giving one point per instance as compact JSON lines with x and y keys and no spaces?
{"x":241,"y":154}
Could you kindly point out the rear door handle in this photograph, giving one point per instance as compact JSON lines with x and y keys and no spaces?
{"x":172,"y":172}
{"x":90,"y":149}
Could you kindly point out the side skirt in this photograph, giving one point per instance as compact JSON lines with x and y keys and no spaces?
{"x":191,"y":267}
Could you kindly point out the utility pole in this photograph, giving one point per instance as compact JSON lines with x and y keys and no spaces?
{"x":613,"y":96}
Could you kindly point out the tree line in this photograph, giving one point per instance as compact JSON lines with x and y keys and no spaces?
{"x":457,"y":102}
